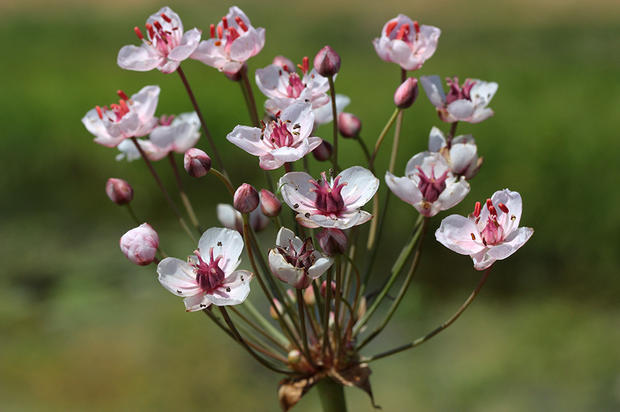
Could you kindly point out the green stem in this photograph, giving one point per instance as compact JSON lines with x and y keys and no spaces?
{"x":224,"y":180}
{"x":186,"y":203}
{"x":381,"y":137}
{"x":331,"y":394}
{"x":332,"y":91}
{"x":250,"y":96}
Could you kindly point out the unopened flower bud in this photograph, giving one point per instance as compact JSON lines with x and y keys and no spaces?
{"x":323,"y":151}
{"x":272,"y":310}
{"x":196,"y":162}
{"x":269,"y":203}
{"x":327,"y":62}
{"x":406,"y":93}
{"x":140,"y":244}
{"x":309,"y":297}
{"x":292,"y":295}
{"x":119,"y":191}
{"x":294,"y":356}
{"x":332,"y":241}
{"x":349,"y":124}
{"x":245,"y":199}
{"x":284,"y":63}
{"x":324,"y":288}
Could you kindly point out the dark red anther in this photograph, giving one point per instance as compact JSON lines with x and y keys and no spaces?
{"x":122,"y":95}
{"x":416,"y":26}
{"x":402,"y":32}
{"x":157,"y":25}
{"x":149,"y":28}
{"x":124,"y":107}
{"x":477,"y":209}
{"x":138,"y":33}
{"x":285,"y":68}
{"x":99,"y":112}
{"x":492,"y":210}
{"x":225,"y":22}
{"x":241,"y":23}
{"x":503,"y":207}
{"x":166,"y":18}
{"x":212,"y":30}
{"x":220,"y":31}
{"x":390,"y":27}
{"x":489,"y":203}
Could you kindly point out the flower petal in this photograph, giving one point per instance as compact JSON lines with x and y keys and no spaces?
{"x":248,"y":139}
{"x":434,"y":90}
{"x":361,"y":186}
{"x":436,"y":140}
{"x":189,"y":43}
{"x":234,"y":291}
{"x":141,"y":58}
{"x":297,"y":191}
{"x":197,"y":302}
{"x":178,"y":277}
{"x":404,"y":188}
{"x":225,"y":242}
{"x":510,"y":245}
{"x":459,"y":234}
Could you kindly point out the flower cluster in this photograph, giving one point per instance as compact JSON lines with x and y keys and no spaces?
{"x":310,"y":271}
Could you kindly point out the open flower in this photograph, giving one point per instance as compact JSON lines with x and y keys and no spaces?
{"x":209,"y":276}
{"x":490,"y":233}
{"x":461,"y":155}
{"x":285,"y":139}
{"x":428,"y":184}
{"x":233,"y":41}
{"x":129,"y":151}
{"x":331,"y":203}
{"x":405,"y":42}
{"x":296,"y":262}
{"x":131,"y":117}
{"x":466,"y":103}
{"x":284,"y":87}
{"x":164,"y":47}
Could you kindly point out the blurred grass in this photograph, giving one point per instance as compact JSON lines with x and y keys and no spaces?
{"x":82,"y":329}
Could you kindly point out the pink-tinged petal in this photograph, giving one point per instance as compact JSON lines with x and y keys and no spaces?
{"x":482,"y":260}
{"x":434,"y":90}
{"x":225,"y":242}
{"x":344,"y":221}
{"x":297,"y":191}
{"x":283,"y":270}
{"x":320,"y":266}
{"x":361,"y":186}
{"x":299,"y":113}
{"x":416,"y":160}
{"x":324,"y":114}
{"x":108,"y":141}
{"x":273,"y":106}
{"x":145,"y":102}
{"x":314,"y":142}
{"x":177,"y":277}
{"x":130,"y":152}
{"x":229,"y":217}
{"x":235,"y":289}
{"x":455,"y":191}
{"x":285,"y":236}
{"x":248,"y":139}
{"x":436,"y":140}
{"x":462,"y":154}
{"x":126,"y":127}
{"x":175,"y":20}
{"x":95,"y":125}
{"x":208,"y":53}
{"x":268,"y":162}
{"x":459,"y":234}
{"x":138,"y":58}
{"x":482,"y":92}
{"x":197,"y":302}
{"x":510,"y":245}
{"x":268,"y":81}
{"x":401,"y":52}
{"x":404,"y":188}
{"x":514,"y":203}
{"x":169,"y":66}
{"x":481,"y":115}
{"x":189,"y":43}
{"x":317,"y":83}
{"x":461,"y":109}
{"x":290,"y":154}
{"x":247,"y":45}
{"x":306,"y":221}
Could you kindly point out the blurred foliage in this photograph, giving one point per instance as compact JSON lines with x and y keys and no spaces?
{"x":83,"y":329}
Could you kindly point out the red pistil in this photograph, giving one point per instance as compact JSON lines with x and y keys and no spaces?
{"x":124,"y":107}
{"x":209,"y":276}
{"x":166,"y":18}
{"x":138,"y":33}
{"x":241,"y":23}
{"x":122,"y":95}
{"x":233,"y":34}
{"x":431,"y":186}
{"x":503,"y":207}
{"x":212,"y":30}
{"x":295,"y":86}
{"x":280,"y":135}
{"x":402,"y":32}
{"x":391,"y":25}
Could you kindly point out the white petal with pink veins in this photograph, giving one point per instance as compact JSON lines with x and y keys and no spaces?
{"x":514,"y":203}
{"x":225,"y":242}
{"x":139,"y":58}
{"x":283,"y":270}
{"x":320,"y":266}
{"x":284,"y":238}
{"x":234,"y":291}
{"x":436,"y":140}
{"x":197,"y":302}
{"x":248,"y":139}
{"x":361,"y":186}
{"x":297,"y":191}
{"x":145,"y":102}
{"x":189,"y":43}
{"x":455,"y":191}
{"x":324,"y":113}
{"x":434,"y":89}
{"x":455,"y":232}
{"x":510,"y":245}
{"x":268,"y":81}
{"x":403,"y":187}
{"x":461,"y":109}
{"x":344,"y":221}
{"x":177,"y":277}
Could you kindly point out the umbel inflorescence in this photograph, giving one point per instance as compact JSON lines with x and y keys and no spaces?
{"x":314,"y":277}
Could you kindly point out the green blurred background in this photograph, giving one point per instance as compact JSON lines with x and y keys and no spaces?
{"x":83,"y":329}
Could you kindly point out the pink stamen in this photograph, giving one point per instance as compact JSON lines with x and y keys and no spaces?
{"x":122,"y":95}
{"x":305,"y":65}
{"x":209,"y":276}
{"x":99,"y":112}
{"x":402,"y":32}
{"x":138,"y":33}
{"x":431,"y":186}
{"x":503,"y":207}
{"x":166,"y":18}
{"x":157,"y":26}
{"x":212,"y":30}
{"x":390,"y":27}
{"x":149,"y":28}
{"x":225,"y":22}
{"x":241,"y":23}
{"x":220,"y":32}
{"x":477,"y":209}
{"x":329,"y":199}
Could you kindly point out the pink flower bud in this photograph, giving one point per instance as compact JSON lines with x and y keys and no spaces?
{"x":272,"y":310}
{"x":196,"y":162}
{"x":323,"y":151}
{"x":406,"y":93}
{"x":332,"y":241}
{"x":140,"y":244}
{"x":327,"y":62}
{"x":349,"y":124}
{"x":324,"y":288}
{"x":294,"y":356}
{"x":309,"y":297}
{"x":284,"y":63}
{"x":245,"y":199}
{"x":269,"y":203}
{"x":119,"y":191}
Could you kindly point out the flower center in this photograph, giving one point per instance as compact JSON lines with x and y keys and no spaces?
{"x":209,"y":276}
{"x":115,"y":112}
{"x":295,"y":86}
{"x":459,"y":92}
{"x":166,"y":120}
{"x":163,"y":39}
{"x":403,"y":32}
{"x":280,"y":135}
{"x":227,"y":33}
{"x":431,"y":186}
{"x":329,"y":199}
{"x":493,"y":232}
{"x":303,"y":259}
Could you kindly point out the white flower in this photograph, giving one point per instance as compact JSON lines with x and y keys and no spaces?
{"x":296,"y":262}
{"x":164,"y":47}
{"x":233,"y":41}
{"x":462,"y":154}
{"x":466,"y":103}
{"x":131,"y":117}
{"x":405,"y":42}
{"x":488,"y":234}
{"x":208,"y":277}
{"x":333,"y":203}
{"x":285,"y":139}
{"x":428,"y":184}
{"x":130,"y":152}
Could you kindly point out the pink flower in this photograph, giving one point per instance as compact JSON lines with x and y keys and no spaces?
{"x":129,"y":152}
{"x":490,"y":233}
{"x":131,"y":117}
{"x":233,"y":41}
{"x":405,"y":42}
{"x":140,"y":244}
{"x":462,"y":154}
{"x":164,"y":47}
{"x":285,"y":139}
{"x":296,"y":262}
{"x":466,"y":103}
{"x":209,"y":276}
{"x":428,"y":184}
{"x":284,"y":87}
{"x":330,"y":203}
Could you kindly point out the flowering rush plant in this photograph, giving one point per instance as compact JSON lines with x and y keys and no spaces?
{"x":312,"y":283}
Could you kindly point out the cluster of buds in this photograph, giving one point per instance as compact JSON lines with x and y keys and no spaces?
{"x":311,"y":277}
